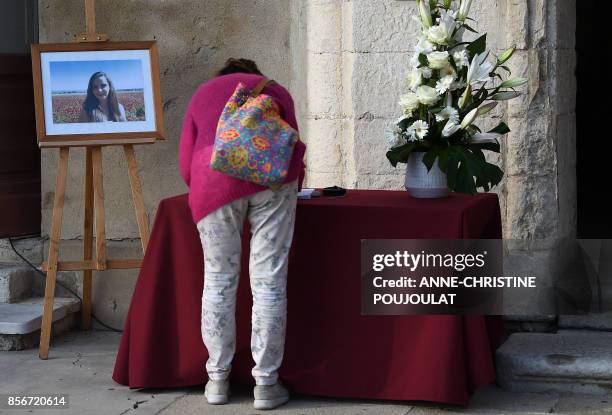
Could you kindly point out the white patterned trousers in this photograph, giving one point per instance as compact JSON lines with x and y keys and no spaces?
{"x":271,"y":214}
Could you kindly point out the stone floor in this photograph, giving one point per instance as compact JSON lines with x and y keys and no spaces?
{"x":80,"y":365}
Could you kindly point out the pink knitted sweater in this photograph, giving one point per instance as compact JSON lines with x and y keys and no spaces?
{"x":208,"y":189}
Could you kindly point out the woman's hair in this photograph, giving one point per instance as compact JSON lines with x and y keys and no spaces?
{"x":91,"y":102}
{"x":233,"y":65}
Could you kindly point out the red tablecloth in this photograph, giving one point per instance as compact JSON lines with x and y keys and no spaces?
{"x":331,"y":349}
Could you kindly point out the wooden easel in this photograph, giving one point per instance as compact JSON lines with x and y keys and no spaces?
{"x":94,"y":210}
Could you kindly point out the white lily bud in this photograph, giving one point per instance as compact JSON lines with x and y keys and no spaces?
{"x":450,"y":129}
{"x":464,"y":9}
{"x":483,"y":109}
{"x":505,"y":96}
{"x":469,"y":118}
{"x":512,"y":83}
{"x":425,"y":12}
{"x":466,"y":95}
{"x":507,"y":54}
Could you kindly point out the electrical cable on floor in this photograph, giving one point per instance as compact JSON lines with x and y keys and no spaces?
{"x":40,"y":273}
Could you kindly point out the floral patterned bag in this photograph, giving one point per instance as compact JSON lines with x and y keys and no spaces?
{"x":252,"y":141}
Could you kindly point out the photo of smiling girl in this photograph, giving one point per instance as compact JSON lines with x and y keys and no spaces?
{"x":101,"y":102}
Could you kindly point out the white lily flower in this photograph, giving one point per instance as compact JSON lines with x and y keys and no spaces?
{"x":464,"y":9}
{"x":444,"y":84}
{"x":418,"y":130}
{"x":450,"y":129}
{"x":505,"y":96}
{"x":448,"y":113}
{"x":482,"y":138}
{"x":479,"y":69}
{"x":442,"y":32}
{"x":469,"y":118}
{"x":424,"y":46}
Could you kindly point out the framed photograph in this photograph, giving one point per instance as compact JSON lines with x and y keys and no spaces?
{"x":97,"y":93}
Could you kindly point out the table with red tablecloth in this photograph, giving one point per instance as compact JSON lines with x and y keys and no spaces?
{"x":331,"y":349}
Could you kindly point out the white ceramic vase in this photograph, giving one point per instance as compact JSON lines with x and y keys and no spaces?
{"x":424,"y":184}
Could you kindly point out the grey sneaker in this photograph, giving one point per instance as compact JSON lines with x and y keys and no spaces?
{"x":270,"y":396}
{"x":216,"y":392}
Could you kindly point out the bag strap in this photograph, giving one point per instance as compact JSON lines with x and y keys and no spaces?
{"x":260,"y":86}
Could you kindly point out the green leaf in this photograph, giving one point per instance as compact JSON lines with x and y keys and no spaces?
{"x":400,"y":154}
{"x":502,"y":128}
{"x":494,"y":147}
{"x":423,"y":59}
{"x":430,"y":158}
{"x":469,"y":28}
{"x":478,"y":46}
{"x":467,"y":168}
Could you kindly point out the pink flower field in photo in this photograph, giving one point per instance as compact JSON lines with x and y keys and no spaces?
{"x":66,"y":107}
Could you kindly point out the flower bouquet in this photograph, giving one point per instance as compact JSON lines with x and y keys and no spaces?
{"x":452,"y":83}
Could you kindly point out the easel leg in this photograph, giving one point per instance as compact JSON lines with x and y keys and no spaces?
{"x":141,"y":216}
{"x":99,"y":208}
{"x":87,"y":241}
{"x":54,"y":240}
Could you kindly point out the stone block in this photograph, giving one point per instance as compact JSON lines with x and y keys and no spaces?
{"x":489,"y":18}
{"x":15,"y":283}
{"x":568,"y":209}
{"x":568,"y":361}
{"x":384,"y":26}
{"x":371,"y":147}
{"x":530,"y":146}
{"x":377,"y":83}
{"x":383,"y":181}
{"x":30,"y":248}
{"x":13,"y":342}
{"x":517,"y":23}
{"x":324,"y":27}
{"x":566,"y":82}
{"x":531,"y":209}
{"x":592,"y":321}
{"x":566,"y":142}
{"x":536,"y":96}
{"x":315,"y":179}
{"x":324,"y":88}
{"x":26,"y":316}
{"x":565,"y":23}
{"x":323,"y":151}
{"x":531,"y":302}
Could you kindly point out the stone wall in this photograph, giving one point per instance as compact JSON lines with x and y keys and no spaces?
{"x":358,"y":54}
{"x":344,"y":62}
{"x":194,"y":39}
